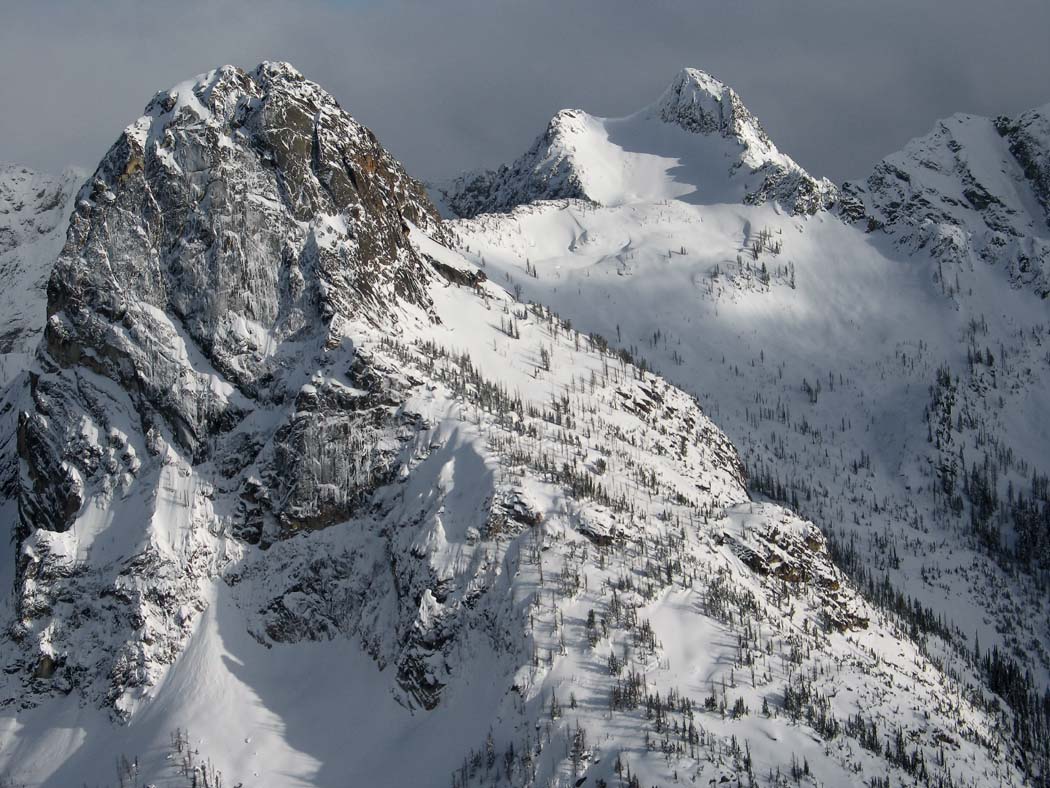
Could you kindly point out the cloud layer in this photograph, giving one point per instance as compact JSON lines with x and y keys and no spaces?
{"x":458,"y":84}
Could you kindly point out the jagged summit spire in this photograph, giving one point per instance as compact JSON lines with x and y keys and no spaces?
{"x":218,"y":91}
{"x":697,"y":80}
{"x":700,"y":103}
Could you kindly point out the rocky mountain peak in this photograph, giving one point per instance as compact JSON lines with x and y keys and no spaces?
{"x":250,"y":208}
{"x":724,"y":155}
{"x":698,"y":102}
{"x":971,"y":189}
{"x":221,"y":244}
{"x":201,"y":331}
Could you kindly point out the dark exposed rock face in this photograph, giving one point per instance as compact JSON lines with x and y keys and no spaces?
{"x":1029,"y":138}
{"x":793,"y":553}
{"x":240,"y":198}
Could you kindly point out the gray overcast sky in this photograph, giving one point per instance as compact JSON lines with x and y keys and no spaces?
{"x":458,"y":84}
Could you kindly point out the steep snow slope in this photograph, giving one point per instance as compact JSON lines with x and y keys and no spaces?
{"x":697,"y":142}
{"x":34,"y":213}
{"x":894,"y":394}
{"x":305,"y":499}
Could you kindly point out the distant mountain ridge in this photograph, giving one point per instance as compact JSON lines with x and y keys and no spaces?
{"x":973,"y":185}
{"x":34,"y":214}
{"x":697,"y":141}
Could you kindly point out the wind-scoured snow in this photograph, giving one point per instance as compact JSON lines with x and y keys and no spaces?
{"x":697,"y":143}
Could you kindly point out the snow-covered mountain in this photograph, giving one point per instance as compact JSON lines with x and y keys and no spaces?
{"x":34,"y":213}
{"x":972,"y":189}
{"x":881,"y":365}
{"x":697,"y":143}
{"x":300,"y":495}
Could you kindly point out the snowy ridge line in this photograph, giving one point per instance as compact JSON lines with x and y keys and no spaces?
{"x":890,"y":388}
{"x":300,"y":488}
